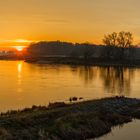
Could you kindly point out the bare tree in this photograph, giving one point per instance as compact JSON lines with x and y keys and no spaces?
{"x":125,"y":39}
{"x":121,"y":39}
{"x":110,"y":40}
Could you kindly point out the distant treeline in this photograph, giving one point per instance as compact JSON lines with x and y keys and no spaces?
{"x":58,"y":48}
{"x":83,"y":50}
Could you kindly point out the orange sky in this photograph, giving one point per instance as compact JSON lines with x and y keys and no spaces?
{"x":66,"y":20}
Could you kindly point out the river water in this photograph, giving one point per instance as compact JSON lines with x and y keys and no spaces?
{"x":130,"y":131}
{"x":23,"y":84}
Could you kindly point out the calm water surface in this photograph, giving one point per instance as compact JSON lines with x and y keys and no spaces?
{"x":23,"y":84}
{"x":130,"y":131}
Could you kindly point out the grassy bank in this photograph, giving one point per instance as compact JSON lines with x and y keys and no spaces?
{"x":82,"y":61}
{"x":62,"y":121}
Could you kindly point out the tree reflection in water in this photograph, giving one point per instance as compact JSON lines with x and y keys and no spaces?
{"x":87,"y":73}
{"x":114,"y":80}
{"x":117,"y":80}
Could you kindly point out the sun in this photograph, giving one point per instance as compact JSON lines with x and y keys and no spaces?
{"x":20,"y":44}
{"x":20,"y":48}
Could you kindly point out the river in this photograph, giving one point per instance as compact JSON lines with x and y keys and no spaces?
{"x":129,"y":131}
{"x":23,"y":84}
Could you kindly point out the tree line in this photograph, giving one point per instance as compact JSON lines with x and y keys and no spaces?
{"x":114,"y":47}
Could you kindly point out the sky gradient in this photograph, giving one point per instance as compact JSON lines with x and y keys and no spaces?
{"x":67,"y":20}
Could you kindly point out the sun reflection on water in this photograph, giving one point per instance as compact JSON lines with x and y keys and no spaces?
{"x":19,"y":69}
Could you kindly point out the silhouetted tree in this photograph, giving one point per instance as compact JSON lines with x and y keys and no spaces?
{"x":110,"y":40}
{"x":124,"y":39}
{"x":120,"y":40}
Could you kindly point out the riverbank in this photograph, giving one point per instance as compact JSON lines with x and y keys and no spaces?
{"x":60,"y":121}
{"x":82,"y":61}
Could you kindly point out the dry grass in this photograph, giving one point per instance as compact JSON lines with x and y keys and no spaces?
{"x":62,"y":121}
